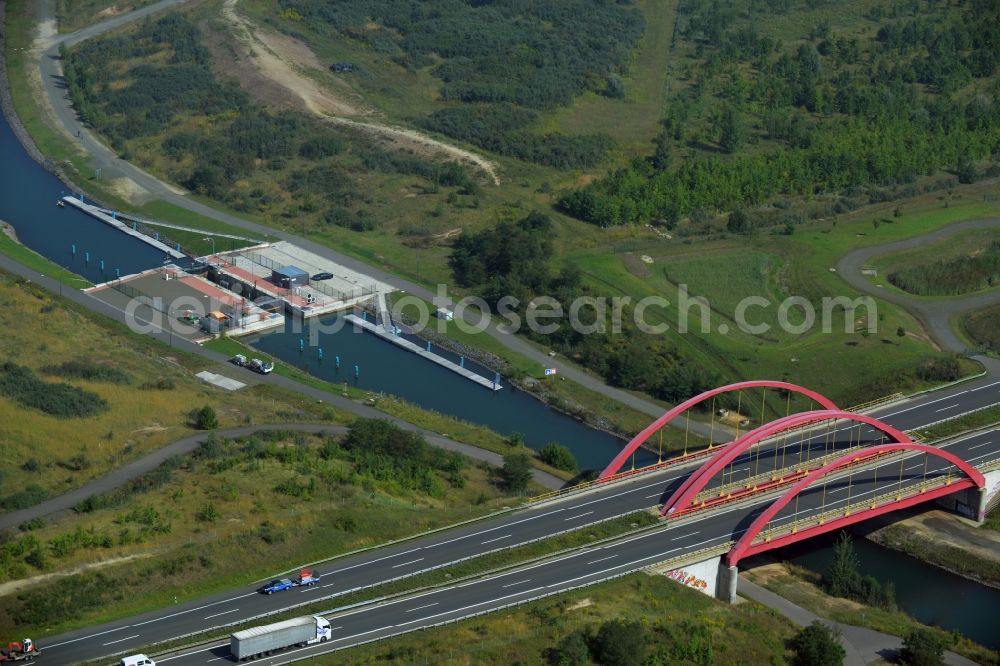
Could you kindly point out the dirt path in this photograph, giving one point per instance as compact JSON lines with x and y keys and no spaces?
{"x":13,"y":586}
{"x":285,"y":61}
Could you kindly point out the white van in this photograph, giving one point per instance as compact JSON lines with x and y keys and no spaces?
{"x":137,"y":660}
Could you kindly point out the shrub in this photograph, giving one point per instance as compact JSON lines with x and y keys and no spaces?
{"x":205,"y":418}
{"x":558,"y":456}
{"x":620,"y":643}
{"x":922,"y":647}
{"x":90,"y":371}
{"x":516,"y":472}
{"x":61,"y":400}
{"x":817,"y":645}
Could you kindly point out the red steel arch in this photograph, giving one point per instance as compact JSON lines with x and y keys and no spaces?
{"x":639,"y":439}
{"x":745,"y":547}
{"x":697,"y":481}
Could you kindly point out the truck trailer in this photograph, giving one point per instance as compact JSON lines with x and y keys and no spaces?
{"x":261,"y":641}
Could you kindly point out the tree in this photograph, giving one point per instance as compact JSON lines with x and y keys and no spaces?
{"x":739,"y":222}
{"x":205,"y":419}
{"x":844,"y":575}
{"x":572,"y":651}
{"x":817,"y":645}
{"x":516,"y":472}
{"x":620,"y":643}
{"x":515,"y":439}
{"x":558,"y":456}
{"x":900,"y":332}
{"x":730,"y":130}
{"x":922,"y":647}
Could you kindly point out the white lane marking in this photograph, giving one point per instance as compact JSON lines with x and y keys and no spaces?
{"x":840,"y":490}
{"x":216,"y":659}
{"x":481,"y":603}
{"x":683,"y":536}
{"x":329,"y":585}
{"x":947,"y":408}
{"x":907,"y":469}
{"x":609,"y":557}
{"x":422,"y":607}
{"x":923,"y":404}
{"x":344,"y":638}
{"x":520,"y":582}
{"x":209,"y":617}
{"x":505,"y":536}
{"x":191,"y":610}
{"x":979,"y":445}
{"x":654,"y":495}
{"x":578,"y":516}
{"x":492,"y":529}
{"x":403,"y":564}
{"x":362,"y":564}
{"x":310,"y":588}
{"x":122,"y":640}
{"x":188,"y":654}
{"x":109,"y":631}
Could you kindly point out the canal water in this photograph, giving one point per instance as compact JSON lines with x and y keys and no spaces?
{"x":385,"y":367}
{"x":27,"y":201}
{"x":929,"y":594}
{"x":28,"y":195}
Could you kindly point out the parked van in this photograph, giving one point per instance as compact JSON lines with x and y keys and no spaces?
{"x":137,"y":660}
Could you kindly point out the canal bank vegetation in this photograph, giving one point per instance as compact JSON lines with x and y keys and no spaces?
{"x":179,"y":525}
{"x":807,"y":589}
{"x":444,"y":424}
{"x":81,"y":396}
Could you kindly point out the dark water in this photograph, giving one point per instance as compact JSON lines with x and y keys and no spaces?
{"x":27,"y":201}
{"x":931,"y":595}
{"x":385,"y":367}
{"x":28,"y":194}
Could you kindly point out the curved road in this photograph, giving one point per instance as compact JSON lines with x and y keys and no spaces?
{"x":119,"y":477}
{"x":103,"y":157}
{"x":935,"y":315}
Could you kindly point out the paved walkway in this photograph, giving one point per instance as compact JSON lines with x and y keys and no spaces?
{"x":151,"y":461}
{"x":935,"y":314}
{"x":863,"y":645}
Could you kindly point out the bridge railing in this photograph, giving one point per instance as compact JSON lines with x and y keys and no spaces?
{"x":873,"y":404}
{"x":905,"y":492}
{"x":639,"y":471}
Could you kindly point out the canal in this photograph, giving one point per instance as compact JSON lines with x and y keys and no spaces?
{"x":27,"y":201}
{"x":929,"y":594}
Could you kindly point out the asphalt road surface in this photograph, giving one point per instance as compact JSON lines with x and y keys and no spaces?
{"x":413,"y":556}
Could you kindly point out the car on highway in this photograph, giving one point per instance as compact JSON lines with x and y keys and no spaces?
{"x":322,"y":276}
{"x":277,"y":586}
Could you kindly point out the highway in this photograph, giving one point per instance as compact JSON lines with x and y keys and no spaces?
{"x":518,"y":527}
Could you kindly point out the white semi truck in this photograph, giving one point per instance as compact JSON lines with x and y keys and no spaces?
{"x":261,"y":641}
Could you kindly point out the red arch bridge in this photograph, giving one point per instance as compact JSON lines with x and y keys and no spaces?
{"x":808,"y":467}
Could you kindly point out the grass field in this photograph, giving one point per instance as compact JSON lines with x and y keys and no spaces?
{"x":42,"y":330}
{"x":960,"y":245}
{"x":983,"y":328}
{"x":746,"y":633}
{"x":269,"y":503}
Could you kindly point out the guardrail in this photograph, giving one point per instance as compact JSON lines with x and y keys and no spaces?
{"x":878,"y":402}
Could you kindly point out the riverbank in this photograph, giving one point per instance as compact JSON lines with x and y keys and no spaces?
{"x":942,"y":539}
{"x":802,"y":587}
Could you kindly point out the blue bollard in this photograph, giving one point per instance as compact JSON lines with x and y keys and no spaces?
{"x":118,"y":273}
{"x":321,"y":352}
{"x":102,"y":265}
{"x":357,"y":371}
{"x":364,"y":316}
{"x":336,"y":359}
{"x":157,"y":235}
{"x":72,"y":250}
{"x":428,"y":345}
{"x":496,"y":380}
{"x":86,"y":257}
{"x":114,"y":215}
{"x":178,"y":247}
{"x":134,"y":227}
{"x":461,"y":361}
{"x":302,"y":344}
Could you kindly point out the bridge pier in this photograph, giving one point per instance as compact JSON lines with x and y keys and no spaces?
{"x":725,"y":590}
{"x":973,"y":503}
